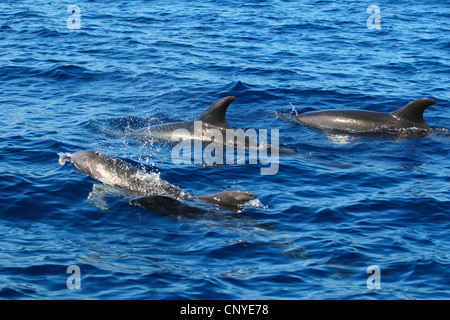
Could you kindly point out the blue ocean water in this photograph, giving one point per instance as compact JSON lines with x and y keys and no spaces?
{"x":341,"y":204}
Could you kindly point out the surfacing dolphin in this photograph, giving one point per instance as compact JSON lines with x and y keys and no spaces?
{"x":207,"y":126}
{"x":407,"y":118}
{"x":212,"y":118}
{"x":114,"y":172}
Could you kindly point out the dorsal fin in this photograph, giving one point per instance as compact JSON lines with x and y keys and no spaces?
{"x":413,"y":111}
{"x":215,"y":113}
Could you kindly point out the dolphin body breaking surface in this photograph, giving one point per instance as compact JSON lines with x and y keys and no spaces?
{"x":409,"y":117}
{"x":210,"y":123}
{"x":114,"y":172}
{"x":212,"y":118}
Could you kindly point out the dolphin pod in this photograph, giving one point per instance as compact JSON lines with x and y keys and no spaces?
{"x":115,"y":172}
{"x":153,"y":192}
{"x":359,"y":121}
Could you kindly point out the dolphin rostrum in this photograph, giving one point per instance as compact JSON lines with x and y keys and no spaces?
{"x":114,"y":172}
{"x":359,"y":121}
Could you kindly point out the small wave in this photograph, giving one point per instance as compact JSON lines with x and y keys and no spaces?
{"x":5,"y":28}
{"x":67,"y":72}
{"x":46,"y":33}
{"x":54,"y":72}
{"x":17,"y":72}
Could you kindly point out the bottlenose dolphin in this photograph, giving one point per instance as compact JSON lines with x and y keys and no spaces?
{"x":359,"y":121}
{"x":115,"y":172}
{"x":207,"y":126}
{"x":171,"y":206}
{"x":212,"y":118}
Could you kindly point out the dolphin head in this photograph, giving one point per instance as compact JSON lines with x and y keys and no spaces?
{"x":238,"y":197}
{"x":107,"y":169}
{"x":229,"y":198}
{"x":82,"y":160}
